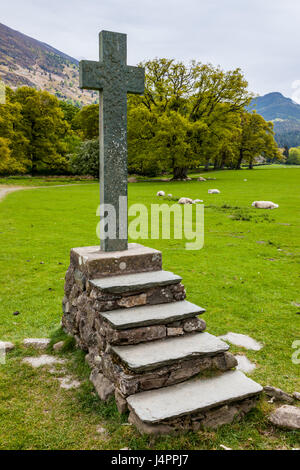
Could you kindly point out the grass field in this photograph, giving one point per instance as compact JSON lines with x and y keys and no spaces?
{"x":246,"y":276}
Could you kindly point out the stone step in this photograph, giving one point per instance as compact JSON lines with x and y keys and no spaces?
{"x":162,"y":314}
{"x":192,"y":396}
{"x":150,"y":356}
{"x":135,"y":282}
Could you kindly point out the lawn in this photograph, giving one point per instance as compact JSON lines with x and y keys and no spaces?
{"x":246,"y":276}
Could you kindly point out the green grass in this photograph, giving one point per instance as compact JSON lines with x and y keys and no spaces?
{"x":246,"y":287}
{"x":44,"y":180}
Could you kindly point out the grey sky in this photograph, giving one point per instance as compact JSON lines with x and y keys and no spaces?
{"x":260,"y":36}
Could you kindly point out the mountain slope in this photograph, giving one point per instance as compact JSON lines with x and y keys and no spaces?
{"x":284,"y":113}
{"x":26,"y":61}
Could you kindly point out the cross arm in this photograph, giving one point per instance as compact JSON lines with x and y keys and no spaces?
{"x":91,"y":75}
{"x":135,"y":80}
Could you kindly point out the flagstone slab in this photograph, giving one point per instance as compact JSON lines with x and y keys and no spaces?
{"x":149,"y":356}
{"x":244,"y":364}
{"x":192,"y":396}
{"x":6,"y":346}
{"x":43,"y":360}
{"x":136,"y":282}
{"x":161,"y":314}
{"x":242,"y":340}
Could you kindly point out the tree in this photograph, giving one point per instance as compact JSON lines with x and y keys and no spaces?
{"x":86,"y":160}
{"x":257,"y":138}
{"x":207,"y":98}
{"x":8,"y":164}
{"x":86,"y":122}
{"x":294,"y":156}
{"x":45,"y":130}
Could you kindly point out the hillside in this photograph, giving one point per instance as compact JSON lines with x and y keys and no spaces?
{"x":284,"y":113}
{"x":26,"y":61}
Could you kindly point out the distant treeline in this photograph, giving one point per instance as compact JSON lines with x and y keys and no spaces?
{"x":189,"y":116}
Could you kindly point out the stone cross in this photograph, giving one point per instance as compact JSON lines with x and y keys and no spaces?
{"x":114,"y":79}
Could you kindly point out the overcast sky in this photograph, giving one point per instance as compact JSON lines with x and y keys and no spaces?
{"x":260,"y":36}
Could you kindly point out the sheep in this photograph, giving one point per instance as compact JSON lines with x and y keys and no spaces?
{"x":170,"y":195}
{"x":161,"y":194}
{"x":197,"y":200}
{"x":265,"y":205}
{"x":214,"y":191}
{"x":185,"y":200}
{"x":201,"y":179}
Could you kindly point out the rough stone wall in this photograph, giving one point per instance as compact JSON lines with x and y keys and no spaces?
{"x":210,"y":419}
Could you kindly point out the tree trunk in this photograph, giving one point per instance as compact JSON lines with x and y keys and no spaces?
{"x":251,"y":165}
{"x":179,"y":173}
{"x":239,"y":162}
{"x":206,"y":168}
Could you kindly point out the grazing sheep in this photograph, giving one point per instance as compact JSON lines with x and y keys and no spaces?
{"x":214,"y":191}
{"x":185,"y":200}
{"x":201,"y":179}
{"x":197,"y":200}
{"x":265,"y":205}
{"x":170,"y":195}
{"x":161,"y":194}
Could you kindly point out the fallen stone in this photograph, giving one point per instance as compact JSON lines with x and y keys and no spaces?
{"x":296,"y":395}
{"x":287,"y":417}
{"x":277,"y":394}
{"x":6,"y":346}
{"x":147,"y":356}
{"x":43,"y":360}
{"x":103,"y":386}
{"x":100,"y":430}
{"x":242,"y":340}
{"x":136,"y":282}
{"x":192,"y":396}
{"x":36,"y":343}
{"x":68,"y":382}
{"x":58,"y":346}
{"x":224,"y":447}
{"x":244,"y":364}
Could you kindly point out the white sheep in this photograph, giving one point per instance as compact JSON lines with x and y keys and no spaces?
{"x":161,"y":194}
{"x":170,"y":195}
{"x":185,"y":200}
{"x":196,"y":201}
{"x":201,"y":179}
{"x":214,"y":191}
{"x":265,"y":205}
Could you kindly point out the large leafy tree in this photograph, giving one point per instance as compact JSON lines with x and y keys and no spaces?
{"x":44,"y":128}
{"x":205,"y":98}
{"x":256,"y":138}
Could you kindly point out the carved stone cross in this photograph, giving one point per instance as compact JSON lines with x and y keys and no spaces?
{"x":114,"y":79}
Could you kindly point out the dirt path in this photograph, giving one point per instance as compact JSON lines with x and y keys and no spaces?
{"x":5,"y":189}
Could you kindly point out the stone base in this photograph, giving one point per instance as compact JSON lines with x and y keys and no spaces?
{"x":123,"y":305}
{"x":208,"y":420}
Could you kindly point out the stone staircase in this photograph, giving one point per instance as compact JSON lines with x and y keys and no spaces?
{"x":147,"y":344}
